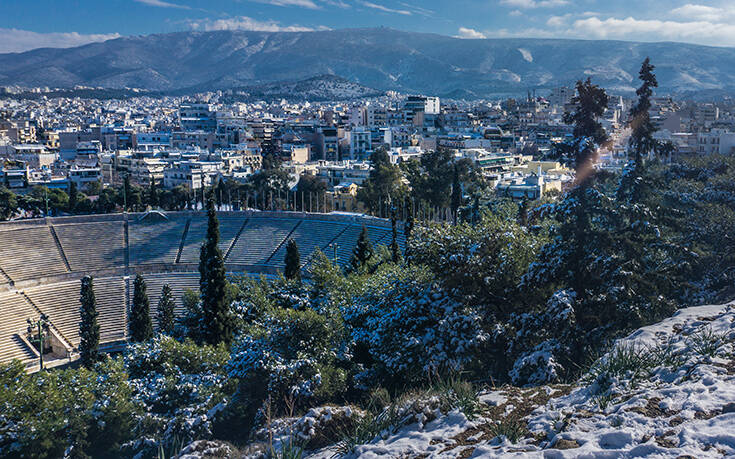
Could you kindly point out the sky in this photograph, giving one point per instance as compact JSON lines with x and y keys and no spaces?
{"x":29,"y":24}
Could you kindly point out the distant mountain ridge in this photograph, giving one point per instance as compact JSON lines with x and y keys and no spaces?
{"x":383,"y":59}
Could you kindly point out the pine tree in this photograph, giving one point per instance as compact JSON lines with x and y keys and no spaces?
{"x":293,"y":261}
{"x":363,"y":251}
{"x":72,"y":195}
{"x":165,"y":311}
{"x":456,"y":193}
{"x":407,"y":229}
{"x":89,"y":329}
{"x":216,"y":320}
{"x":523,"y":212}
{"x":126,"y":191}
{"x":394,"y":249}
{"x":641,"y":141}
{"x":140,"y":326}
{"x":153,"y":193}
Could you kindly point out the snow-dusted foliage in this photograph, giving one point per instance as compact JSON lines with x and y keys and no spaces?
{"x":181,"y":387}
{"x":542,"y":340}
{"x":482,"y":263}
{"x":412,"y":327}
{"x":289,"y":353}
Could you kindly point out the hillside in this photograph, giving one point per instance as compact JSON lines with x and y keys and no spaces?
{"x":667,"y":390}
{"x":383,"y":59}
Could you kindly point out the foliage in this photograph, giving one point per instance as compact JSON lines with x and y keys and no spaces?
{"x":89,"y":329}
{"x":65,"y":413}
{"x":141,"y":327}
{"x":216,"y":322}
{"x":165,"y":311}
{"x":407,"y":328}
{"x":292,"y":261}
{"x":362,"y":252}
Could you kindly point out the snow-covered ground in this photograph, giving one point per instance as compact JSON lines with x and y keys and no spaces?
{"x":681,"y":403}
{"x":665,"y":391}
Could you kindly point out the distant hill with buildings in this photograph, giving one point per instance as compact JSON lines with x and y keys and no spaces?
{"x":384,"y":59}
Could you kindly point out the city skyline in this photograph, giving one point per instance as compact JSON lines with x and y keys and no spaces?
{"x":78,"y":22}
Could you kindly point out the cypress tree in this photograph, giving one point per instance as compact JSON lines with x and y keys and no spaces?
{"x":216,"y":323}
{"x":153,"y":193}
{"x":72,"y":195}
{"x":394,"y":249}
{"x":126,"y":191}
{"x":140,"y":326}
{"x":407,"y":229}
{"x":89,"y":329}
{"x":293,"y":261}
{"x":456,"y":194}
{"x":363,"y":250}
{"x":523,"y":212}
{"x":641,"y":140}
{"x":165,"y":311}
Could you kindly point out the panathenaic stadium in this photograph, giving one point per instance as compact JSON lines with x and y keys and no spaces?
{"x":43,"y":260}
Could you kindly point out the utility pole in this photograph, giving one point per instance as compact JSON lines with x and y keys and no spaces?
{"x":42,"y":326}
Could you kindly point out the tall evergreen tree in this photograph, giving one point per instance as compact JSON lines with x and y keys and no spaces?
{"x":641,"y":141}
{"x":456,"y":194}
{"x":363,"y":251}
{"x":140,"y":326}
{"x":89,"y":329}
{"x":73,"y":195}
{"x":407,"y":229}
{"x":126,"y":192}
{"x":384,"y":182}
{"x":216,"y":320}
{"x":153,"y":193}
{"x":523,"y":212}
{"x":394,"y":249}
{"x":293,"y":261}
{"x":165,"y":311}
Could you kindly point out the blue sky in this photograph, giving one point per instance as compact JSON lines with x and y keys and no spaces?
{"x":28,"y":24}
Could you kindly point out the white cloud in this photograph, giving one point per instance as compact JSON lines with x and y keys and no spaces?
{"x":530,"y":4}
{"x":245,"y":23}
{"x":162,"y":4}
{"x":515,"y":13}
{"x":693,"y":12}
{"x":384,"y":9}
{"x":301,"y":3}
{"x":589,"y":26}
{"x":16,"y":41}
{"x":704,"y":32}
{"x":465,"y":32}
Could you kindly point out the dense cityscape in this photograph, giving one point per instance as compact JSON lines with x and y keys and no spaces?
{"x":185,"y":145}
{"x":304,"y":233}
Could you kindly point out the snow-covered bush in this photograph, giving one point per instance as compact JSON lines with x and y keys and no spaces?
{"x":542,"y":340}
{"x":411,"y":328}
{"x":73,"y":412}
{"x":481,"y":263}
{"x":181,"y":386}
{"x":287,"y":354}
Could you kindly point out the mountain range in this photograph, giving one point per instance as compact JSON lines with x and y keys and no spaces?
{"x":378,"y":58}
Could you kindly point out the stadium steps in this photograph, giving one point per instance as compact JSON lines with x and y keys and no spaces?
{"x":183,"y":241}
{"x":126,"y":243}
{"x":196,"y":235}
{"x":234,"y":241}
{"x":66,"y":342}
{"x":5,"y":276}
{"x":107,"y":238}
{"x":21,"y":264}
{"x":179,"y":282}
{"x":310,"y":235}
{"x":284,"y":242}
{"x":61,"y":249}
{"x":15,"y":311}
{"x":257,"y":244}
